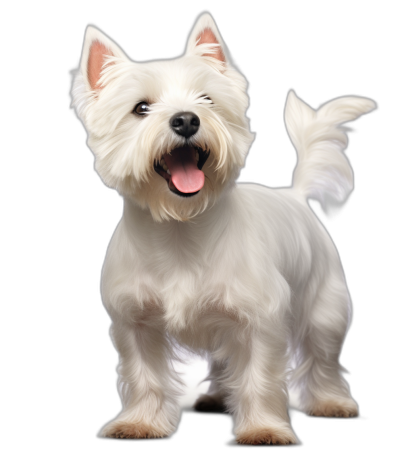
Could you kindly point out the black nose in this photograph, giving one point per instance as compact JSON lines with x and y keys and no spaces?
{"x":186,"y":124}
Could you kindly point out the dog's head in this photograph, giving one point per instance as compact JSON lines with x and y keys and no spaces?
{"x":170,"y":135}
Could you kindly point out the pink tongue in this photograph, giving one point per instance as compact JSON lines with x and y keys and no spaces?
{"x":185,"y":175}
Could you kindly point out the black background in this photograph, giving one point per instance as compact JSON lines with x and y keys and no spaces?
{"x":321,"y":53}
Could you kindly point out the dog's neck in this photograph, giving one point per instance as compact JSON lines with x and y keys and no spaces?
{"x":140,"y":223}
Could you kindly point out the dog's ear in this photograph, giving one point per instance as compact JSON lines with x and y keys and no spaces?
{"x":205,"y":33}
{"x":97,"y":48}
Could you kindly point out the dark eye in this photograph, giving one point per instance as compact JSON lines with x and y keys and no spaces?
{"x":206,"y":97}
{"x":142,"y":108}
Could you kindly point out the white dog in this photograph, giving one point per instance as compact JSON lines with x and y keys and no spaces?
{"x":240,"y":273}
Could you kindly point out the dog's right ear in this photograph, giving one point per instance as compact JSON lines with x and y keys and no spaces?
{"x":97,"y":48}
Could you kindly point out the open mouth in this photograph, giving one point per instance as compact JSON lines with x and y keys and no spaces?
{"x":181,"y":169}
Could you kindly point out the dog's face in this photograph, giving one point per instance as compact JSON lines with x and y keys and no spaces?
{"x":170,"y":135}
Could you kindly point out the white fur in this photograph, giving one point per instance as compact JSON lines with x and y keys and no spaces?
{"x":243,"y":274}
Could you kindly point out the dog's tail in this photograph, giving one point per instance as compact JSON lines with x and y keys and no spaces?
{"x":323,"y":171}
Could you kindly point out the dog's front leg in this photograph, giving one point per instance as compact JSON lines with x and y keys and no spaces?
{"x":256,"y":385}
{"x":147,"y":382}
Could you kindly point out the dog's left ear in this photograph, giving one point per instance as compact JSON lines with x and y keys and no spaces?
{"x":206,"y":41}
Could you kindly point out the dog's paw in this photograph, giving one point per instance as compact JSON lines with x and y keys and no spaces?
{"x":270,"y":436}
{"x":210,"y":403}
{"x":126,"y":430}
{"x":335,"y":409}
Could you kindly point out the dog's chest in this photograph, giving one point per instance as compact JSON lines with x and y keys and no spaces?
{"x":194,"y":259}
{"x":196,"y":269}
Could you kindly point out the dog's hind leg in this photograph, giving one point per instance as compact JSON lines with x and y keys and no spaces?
{"x":214,"y":399}
{"x":147,"y":383}
{"x":318,"y":375}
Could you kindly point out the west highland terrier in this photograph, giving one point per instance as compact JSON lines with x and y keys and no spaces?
{"x":239,"y":273}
